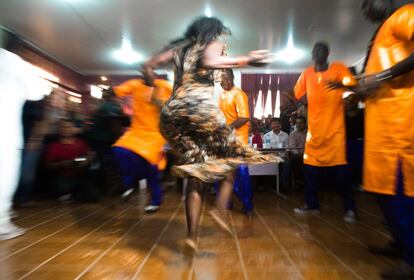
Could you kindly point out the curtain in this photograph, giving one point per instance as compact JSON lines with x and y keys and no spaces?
{"x":284,"y":82}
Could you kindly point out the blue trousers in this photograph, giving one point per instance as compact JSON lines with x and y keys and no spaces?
{"x":243,"y":187}
{"x":337,"y":177}
{"x":133,"y":167}
{"x":398,"y":211}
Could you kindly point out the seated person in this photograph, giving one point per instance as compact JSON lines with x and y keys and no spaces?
{"x":256,"y":138}
{"x":276,"y":138}
{"x":297,"y":141}
{"x":68,"y":158}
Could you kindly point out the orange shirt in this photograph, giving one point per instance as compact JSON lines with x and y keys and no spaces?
{"x":234,"y":104}
{"x":144,"y":137}
{"x":389,"y":114}
{"x":325,"y":140}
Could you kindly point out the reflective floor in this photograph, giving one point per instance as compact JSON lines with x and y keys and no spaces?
{"x":118,"y":241}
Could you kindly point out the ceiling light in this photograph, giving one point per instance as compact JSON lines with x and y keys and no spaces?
{"x":207,"y":10}
{"x":96,"y":92}
{"x":75,"y":99}
{"x":74,"y":94}
{"x":290,"y":54}
{"x":126,"y":53}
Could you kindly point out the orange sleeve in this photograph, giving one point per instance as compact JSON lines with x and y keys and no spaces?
{"x":127,"y":88}
{"x":163,"y":90}
{"x":300,"y":88}
{"x":242,"y":104}
{"x":403,"y":23}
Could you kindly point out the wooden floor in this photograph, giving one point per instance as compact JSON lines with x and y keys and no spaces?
{"x":118,"y":241}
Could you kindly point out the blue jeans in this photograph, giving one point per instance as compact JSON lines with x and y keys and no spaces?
{"x":133,"y":167}
{"x":398,"y":211}
{"x":337,"y":176}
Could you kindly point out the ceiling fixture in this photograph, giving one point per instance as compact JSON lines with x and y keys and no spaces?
{"x":74,"y":94}
{"x":290,"y":54}
{"x":96,"y":92}
{"x":126,"y":53}
{"x":207,"y":10}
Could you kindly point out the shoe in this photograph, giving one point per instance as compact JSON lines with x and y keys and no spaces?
{"x":401,"y":271}
{"x":126,"y":195}
{"x":65,"y":198}
{"x":27,"y":204}
{"x":350,"y":217}
{"x":390,"y":250}
{"x":220,"y":218}
{"x":9,"y":231}
{"x":151,"y":208}
{"x":306,"y":210}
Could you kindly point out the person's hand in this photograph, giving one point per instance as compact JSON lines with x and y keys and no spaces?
{"x":334,"y":85}
{"x":367,"y":84}
{"x":149,"y":75}
{"x":259,"y":58}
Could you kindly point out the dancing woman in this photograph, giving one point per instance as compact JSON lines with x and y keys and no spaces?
{"x":192,"y":122}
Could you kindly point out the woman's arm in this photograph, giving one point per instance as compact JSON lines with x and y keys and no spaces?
{"x":214,"y":58}
{"x":155,"y":61}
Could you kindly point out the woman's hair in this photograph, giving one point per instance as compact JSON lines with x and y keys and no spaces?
{"x":203,"y":30}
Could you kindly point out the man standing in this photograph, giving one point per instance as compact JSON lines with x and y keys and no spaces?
{"x":389,"y":130}
{"x":18,"y":83}
{"x":234,"y":104}
{"x":139,"y":152}
{"x":276,"y":138}
{"x":325,"y":143}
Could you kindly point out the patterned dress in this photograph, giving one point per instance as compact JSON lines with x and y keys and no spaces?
{"x":196,"y":128}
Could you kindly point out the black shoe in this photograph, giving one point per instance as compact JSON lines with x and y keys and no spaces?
{"x":390,"y":250}
{"x":402,"y":271}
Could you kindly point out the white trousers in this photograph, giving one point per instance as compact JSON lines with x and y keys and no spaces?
{"x":10,"y":158}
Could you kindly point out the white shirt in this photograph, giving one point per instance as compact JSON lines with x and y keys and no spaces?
{"x":273,"y":140}
{"x":18,"y":83}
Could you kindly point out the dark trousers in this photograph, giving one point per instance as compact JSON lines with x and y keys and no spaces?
{"x":133,"y":167}
{"x":355,"y":151}
{"x":398,"y":211}
{"x":243,"y":187}
{"x":337,"y":176}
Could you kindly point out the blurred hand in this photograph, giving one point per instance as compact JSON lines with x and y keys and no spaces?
{"x":333,"y":85}
{"x":367,"y":84}
{"x":149,"y":75}
{"x":259,"y":58}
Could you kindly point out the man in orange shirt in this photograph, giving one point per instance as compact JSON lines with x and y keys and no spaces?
{"x":325,"y":141}
{"x":139,"y":152}
{"x":389,"y":129}
{"x":234,"y":104}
